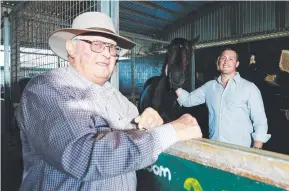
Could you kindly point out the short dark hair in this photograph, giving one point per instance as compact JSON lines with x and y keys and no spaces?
{"x":228,"y":48}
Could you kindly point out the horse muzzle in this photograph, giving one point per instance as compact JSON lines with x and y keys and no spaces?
{"x":176,"y":79}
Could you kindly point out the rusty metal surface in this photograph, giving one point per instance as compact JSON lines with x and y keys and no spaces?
{"x":268,"y":167}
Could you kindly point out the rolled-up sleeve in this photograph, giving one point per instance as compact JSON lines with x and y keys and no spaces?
{"x":258,"y":116}
{"x":69,"y":140}
{"x":194,"y":98}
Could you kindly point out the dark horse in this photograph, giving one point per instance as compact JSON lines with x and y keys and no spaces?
{"x":159,"y":91}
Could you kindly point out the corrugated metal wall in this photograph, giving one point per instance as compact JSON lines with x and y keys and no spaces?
{"x":146,"y":62}
{"x":253,"y":17}
{"x":287,"y":14}
{"x":236,"y":19}
{"x":145,"y":67}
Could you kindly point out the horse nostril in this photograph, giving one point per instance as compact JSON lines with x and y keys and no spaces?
{"x":177,"y":77}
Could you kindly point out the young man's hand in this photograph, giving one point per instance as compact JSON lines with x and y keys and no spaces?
{"x":179,"y":91}
{"x":187,"y":128}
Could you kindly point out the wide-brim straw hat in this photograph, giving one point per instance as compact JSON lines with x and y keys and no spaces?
{"x":89,"y":22}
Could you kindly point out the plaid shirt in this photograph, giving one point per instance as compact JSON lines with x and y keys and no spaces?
{"x":77,"y":135}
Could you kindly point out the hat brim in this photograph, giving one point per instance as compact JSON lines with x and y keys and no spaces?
{"x":57,"y":40}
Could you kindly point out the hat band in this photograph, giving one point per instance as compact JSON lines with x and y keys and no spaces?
{"x":101,"y":29}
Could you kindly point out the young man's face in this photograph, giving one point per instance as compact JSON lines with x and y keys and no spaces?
{"x":228,"y":62}
{"x":93,"y":57}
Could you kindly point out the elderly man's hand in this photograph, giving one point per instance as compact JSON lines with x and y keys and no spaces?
{"x":149,"y":119}
{"x":187,"y":128}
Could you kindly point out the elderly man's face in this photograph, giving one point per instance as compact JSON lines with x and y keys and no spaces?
{"x":88,"y":59}
{"x":228,"y":62}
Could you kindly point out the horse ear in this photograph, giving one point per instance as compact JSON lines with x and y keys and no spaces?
{"x":195,"y":40}
{"x":166,"y":70}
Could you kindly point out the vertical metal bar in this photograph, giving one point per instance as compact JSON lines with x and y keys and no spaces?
{"x":193,"y":85}
{"x":97,"y":5}
{"x":7,"y":66}
{"x":7,"y":117}
{"x":242,"y":8}
{"x":16,"y":48}
{"x":132,"y":65}
{"x":215,"y":24}
{"x":111,"y":8}
{"x":266,"y":20}
{"x":280,"y":14}
{"x":287,"y":14}
{"x":219,"y":23}
{"x":58,"y":62}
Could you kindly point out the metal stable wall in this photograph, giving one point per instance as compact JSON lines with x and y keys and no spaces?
{"x":144,"y":61}
{"x":145,"y":67}
{"x":31,"y":26}
{"x":235,"y":19}
{"x":287,"y":14}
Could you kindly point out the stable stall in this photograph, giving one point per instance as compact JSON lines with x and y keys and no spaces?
{"x":252,"y":28}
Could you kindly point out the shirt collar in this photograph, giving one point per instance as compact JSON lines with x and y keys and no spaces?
{"x":236,"y":78}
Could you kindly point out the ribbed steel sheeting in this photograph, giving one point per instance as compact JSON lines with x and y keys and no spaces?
{"x":146,"y":62}
{"x":143,"y":9}
{"x":287,"y":14}
{"x":235,"y":19}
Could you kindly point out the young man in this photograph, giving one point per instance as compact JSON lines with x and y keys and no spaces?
{"x":76,"y":128}
{"x":236,"y":110}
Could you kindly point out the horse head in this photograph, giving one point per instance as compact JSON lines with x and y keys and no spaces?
{"x":177,"y":66}
{"x":159,"y":91}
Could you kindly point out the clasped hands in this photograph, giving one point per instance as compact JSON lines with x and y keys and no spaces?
{"x":186,"y":126}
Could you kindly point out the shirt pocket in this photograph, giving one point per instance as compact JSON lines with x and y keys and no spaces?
{"x":237,"y":109}
{"x":233,"y":104}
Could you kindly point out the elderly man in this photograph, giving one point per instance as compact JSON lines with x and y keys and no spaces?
{"x":76,"y":129}
{"x":236,"y":110}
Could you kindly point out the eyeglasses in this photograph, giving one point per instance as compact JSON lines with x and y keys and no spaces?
{"x":99,"y":46}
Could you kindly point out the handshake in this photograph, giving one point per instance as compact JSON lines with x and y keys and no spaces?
{"x":186,"y":126}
